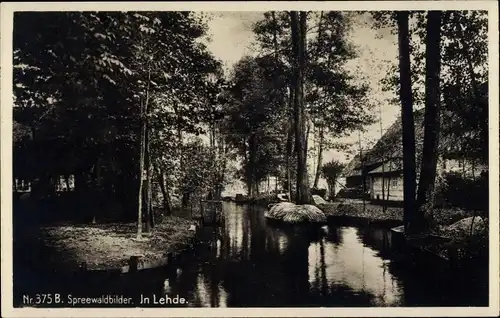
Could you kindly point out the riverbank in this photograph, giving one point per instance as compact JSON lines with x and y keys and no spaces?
{"x":455,"y":234}
{"x":376,"y":213}
{"x":355,"y":212}
{"x":263,"y":199}
{"x":110,"y":247}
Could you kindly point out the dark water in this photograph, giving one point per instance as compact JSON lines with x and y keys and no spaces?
{"x":248,"y":262}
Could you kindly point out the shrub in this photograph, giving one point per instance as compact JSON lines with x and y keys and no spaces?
{"x":459,"y":192}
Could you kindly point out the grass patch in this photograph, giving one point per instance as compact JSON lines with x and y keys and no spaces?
{"x":441,"y":217}
{"x":106,"y":246}
{"x":370,"y":211}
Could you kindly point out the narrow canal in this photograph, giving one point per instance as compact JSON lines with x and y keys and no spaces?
{"x":250,"y":263}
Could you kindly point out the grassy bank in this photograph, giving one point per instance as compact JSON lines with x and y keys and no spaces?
{"x":110,"y":246}
{"x":372,"y":212}
{"x":356,"y":210}
{"x":262,"y":199}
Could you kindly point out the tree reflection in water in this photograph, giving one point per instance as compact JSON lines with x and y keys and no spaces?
{"x":247,"y":263}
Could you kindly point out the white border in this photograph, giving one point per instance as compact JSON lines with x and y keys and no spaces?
{"x":7,"y":10}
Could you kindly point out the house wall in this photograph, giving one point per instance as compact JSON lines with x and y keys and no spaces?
{"x":393,"y":188}
{"x":465,"y":168}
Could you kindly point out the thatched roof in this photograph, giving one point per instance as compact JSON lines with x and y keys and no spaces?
{"x":389,"y":166}
{"x":390,"y":146}
{"x":391,"y":143}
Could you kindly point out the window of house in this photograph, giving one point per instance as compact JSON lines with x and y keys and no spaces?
{"x":60,"y":184}
{"x":64,"y":184}
{"x":23,"y":185}
{"x":394,"y":182}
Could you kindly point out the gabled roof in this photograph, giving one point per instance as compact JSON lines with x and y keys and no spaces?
{"x":390,"y":146}
{"x":389,"y":166}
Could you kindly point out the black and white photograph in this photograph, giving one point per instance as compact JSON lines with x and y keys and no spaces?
{"x":286,"y":156}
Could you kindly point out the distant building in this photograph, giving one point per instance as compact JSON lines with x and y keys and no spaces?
{"x":383,"y":164}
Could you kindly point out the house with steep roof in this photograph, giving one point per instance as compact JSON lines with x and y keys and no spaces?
{"x":382,"y":166}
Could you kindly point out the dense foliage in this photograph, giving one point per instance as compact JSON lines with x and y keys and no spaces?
{"x":88,"y":84}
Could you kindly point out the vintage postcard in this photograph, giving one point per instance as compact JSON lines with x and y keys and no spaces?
{"x":324,"y":159}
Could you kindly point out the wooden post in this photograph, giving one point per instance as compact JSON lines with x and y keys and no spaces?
{"x":133,"y":264}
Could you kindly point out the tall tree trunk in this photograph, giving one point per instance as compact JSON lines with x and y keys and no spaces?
{"x":289,"y":141}
{"x":213,"y":151}
{"x":425,"y":193}
{"x":384,"y":199}
{"x":167,"y":208}
{"x":407,"y":121}
{"x":252,"y":145}
{"x":223,"y":149}
{"x":247,"y":164}
{"x":179,"y":135}
{"x":268,"y":184}
{"x":149,"y":186}
{"x":144,"y":113}
{"x":306,"y":138}
{"x":298,"y":24}
{"x":473,"y":167}
{"x":306,"y":147}
{"x":464,"y":174}
{"x":147,"y":183}
{"x":363,"y":174}
{"x":320,"y":157}
{"x":388,"y":190}
{"x":141,"y":175}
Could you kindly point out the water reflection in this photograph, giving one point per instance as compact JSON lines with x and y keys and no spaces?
{"x":359,"y":270}
{"x":254,"y":264}
{"x":246,"y":262}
